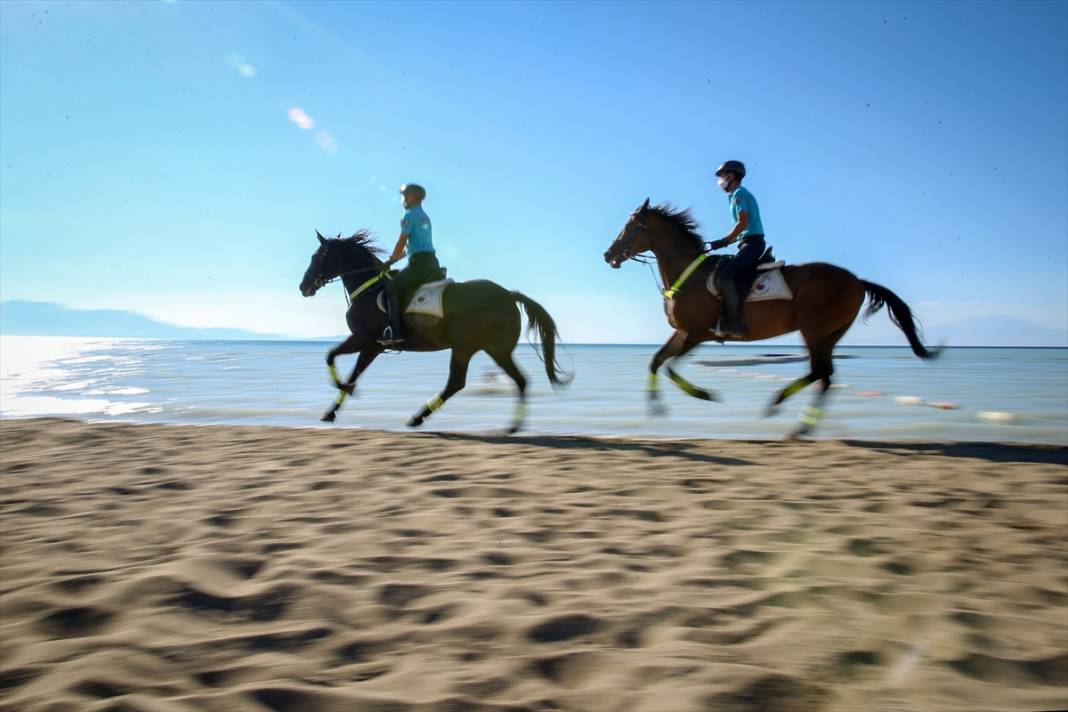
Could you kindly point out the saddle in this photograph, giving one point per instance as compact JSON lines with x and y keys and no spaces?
{"x":762,"y":283}
{"x":427,"y":300}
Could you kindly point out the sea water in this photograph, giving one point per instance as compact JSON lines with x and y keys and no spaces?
{"x":881,"y":393}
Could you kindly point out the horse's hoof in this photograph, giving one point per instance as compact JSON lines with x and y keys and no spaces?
{"x":513,"y":429}
{"x":328,"y":417}
{"x":414,"y":422}
{"x":770,"y":411}
{"x":657,"y":410}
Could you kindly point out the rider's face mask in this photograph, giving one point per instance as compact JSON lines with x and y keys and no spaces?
{"x":723,"y":183}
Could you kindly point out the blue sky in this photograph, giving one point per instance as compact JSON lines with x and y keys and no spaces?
{"x":153,"y":156}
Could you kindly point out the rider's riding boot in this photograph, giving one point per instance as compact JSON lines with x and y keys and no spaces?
{"x":393,"y":336}
{"x":730,"y":323}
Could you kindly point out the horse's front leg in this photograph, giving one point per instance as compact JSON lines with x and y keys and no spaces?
{"x":348,"y":346}
{"x":367,"y":356}
{"x":670,"y":349}
{"x":677,"y":346}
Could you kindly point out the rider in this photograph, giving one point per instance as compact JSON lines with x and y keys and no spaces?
{"x":415,"y":241}
{"x":749,"y":233}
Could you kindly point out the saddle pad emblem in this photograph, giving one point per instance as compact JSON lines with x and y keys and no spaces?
{"x":768,"y":286}
{"x":429,"y":299}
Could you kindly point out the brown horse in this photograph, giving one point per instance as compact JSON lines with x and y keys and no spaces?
{"x":826,"y":302}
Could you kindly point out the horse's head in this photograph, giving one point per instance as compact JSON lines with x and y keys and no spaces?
{"x":632,"y":240}
{"x":337,"y":257}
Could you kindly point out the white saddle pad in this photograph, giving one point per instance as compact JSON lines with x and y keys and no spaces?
{"x":768,"y":285}
{"x":428,"y":299}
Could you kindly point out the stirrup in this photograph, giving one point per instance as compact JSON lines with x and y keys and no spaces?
{"x":387,"y":338}
{"x":732,"y":328}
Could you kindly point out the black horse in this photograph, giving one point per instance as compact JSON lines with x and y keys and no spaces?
{"x":478,"y":316}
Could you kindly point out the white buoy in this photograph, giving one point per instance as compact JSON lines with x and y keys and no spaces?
{"x":908,"y":400}
{"x":997,"y":416}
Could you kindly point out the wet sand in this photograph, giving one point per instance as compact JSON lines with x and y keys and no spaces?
{"x":148,"y":567}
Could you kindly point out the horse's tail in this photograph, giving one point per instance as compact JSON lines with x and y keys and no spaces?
{"x":900,"y":314}
{"x":539,"y":319}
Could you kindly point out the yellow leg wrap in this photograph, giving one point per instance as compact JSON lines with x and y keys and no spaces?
{"x":689,"y":388}
{"x":520,"y":411}
{"x":650,"y":382}
{"x":341,"y":396}
{"x":683,"y":384}
{"x":333,"y":373}
{"x":795,"y":387}
{"x":434,"y":403}
{"x":810,"y":415}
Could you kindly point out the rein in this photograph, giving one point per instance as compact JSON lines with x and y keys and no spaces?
{"x":350,"y":298}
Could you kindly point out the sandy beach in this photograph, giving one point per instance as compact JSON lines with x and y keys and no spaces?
{"x":158,"y":567}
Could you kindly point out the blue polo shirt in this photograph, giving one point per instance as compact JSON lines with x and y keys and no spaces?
{"x":742,"y":200}
{"x":416,"y":225}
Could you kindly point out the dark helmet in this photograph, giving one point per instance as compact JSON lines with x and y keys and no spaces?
{"x":735,"y":167}
{"x":415,"y":191}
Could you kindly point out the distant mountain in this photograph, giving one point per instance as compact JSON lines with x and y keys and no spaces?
{"x":982,"y":331}
{"x":47,"y":319}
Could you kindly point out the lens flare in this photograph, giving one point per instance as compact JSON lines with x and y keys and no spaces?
{"x":298,"y":116}
{"x":325,"y":141}
{"x":239,"y":65}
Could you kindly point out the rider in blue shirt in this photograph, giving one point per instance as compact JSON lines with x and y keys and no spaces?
{"x":748,"y":232}
{"x":416,"y":242}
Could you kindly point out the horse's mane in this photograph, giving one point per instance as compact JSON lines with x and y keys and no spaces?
{"x":362,"y":238}
{"x":683,"y":220}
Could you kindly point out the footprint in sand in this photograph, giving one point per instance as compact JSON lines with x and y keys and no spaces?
{"x":564,"y":627}
{"x":75,"y":622}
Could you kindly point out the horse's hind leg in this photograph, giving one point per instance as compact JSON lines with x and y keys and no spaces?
{"x":794,"y":387}
{"x":457,"y":380}
{"x":504,"y":360}
{"x":822,"y":365}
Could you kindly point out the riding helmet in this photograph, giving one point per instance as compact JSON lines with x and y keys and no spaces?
{"x":735,"y":167}
{"x":416,"y":191}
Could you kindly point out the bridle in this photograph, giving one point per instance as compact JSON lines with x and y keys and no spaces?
{"x":645,"y":258}
{"x":648,"y":260}
{"x":319,"y":282}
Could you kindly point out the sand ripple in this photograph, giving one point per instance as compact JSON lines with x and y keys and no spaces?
{"x":176,"y":568}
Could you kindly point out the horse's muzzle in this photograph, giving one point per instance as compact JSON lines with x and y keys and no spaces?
{"x":614,"y":261}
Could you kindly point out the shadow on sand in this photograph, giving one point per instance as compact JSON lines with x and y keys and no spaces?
{"x":681,"y":449}
{"x":992,"y":452}
{"x":692,"y":449}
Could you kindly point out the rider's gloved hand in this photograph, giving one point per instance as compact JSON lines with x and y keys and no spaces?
{"x":719,"y":244}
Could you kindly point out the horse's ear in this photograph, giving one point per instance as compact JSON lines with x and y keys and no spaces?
{"x":321,"y":238}
{"x":645,"y":205}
